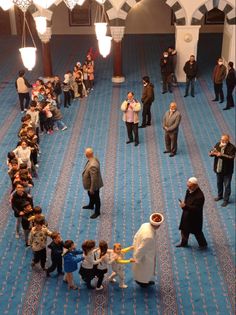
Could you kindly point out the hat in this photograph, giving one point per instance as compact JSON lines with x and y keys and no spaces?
{"x":78,"y":64}
{"x":193,"y":180}
{"x":156,"y":218}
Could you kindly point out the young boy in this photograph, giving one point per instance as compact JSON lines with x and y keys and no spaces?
{"x":56,"y":247}
{"x":38,"y":242}
{"x":25,"y":215}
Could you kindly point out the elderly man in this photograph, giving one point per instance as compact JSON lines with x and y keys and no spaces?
{"x":145,"y":251}
{"x":92,"y":182}
{"x":130,"y":108}
{"x":192,"y":216}
{"x":171,"y":121}
{"x":224,"y":154}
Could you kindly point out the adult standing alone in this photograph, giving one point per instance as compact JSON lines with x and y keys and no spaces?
{"x":224,"y":154}
{"x":147,"y":100}
{"x":230,"y":83}
{"x":190,"y":69}
{"x":130,"y":108}
{"x":219,"y":75}
{"x":145,"y":251}
{"x":171,"y":121}
{"x":92,"y":182}
{"x":192,"y":216}
{"x":22,"y":87}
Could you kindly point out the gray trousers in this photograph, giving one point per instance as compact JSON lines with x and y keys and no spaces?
{"x":171,"y":141}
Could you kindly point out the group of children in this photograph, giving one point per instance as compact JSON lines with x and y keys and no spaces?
{"x":43,"y":114}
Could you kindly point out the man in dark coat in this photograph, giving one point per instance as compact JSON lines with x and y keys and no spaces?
{"x":147,"y":99}
{"x":166,"y":72}
{"x":192,"y":216}
{"x":224,"y":154}
{"x":190,"y":68}
{"x":230,"y":83}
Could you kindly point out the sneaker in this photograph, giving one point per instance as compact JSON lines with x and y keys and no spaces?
{"x":123,"y":286}
{"x":64,"y":128}
{"x":17,"y":235}
{"x":100,"y":288}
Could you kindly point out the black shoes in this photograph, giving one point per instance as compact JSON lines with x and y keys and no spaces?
{"x":136,"y":144}
{"x":171,"y":155}
{"x":95,"y":215}
{"x":166,"y":151}
{"x":215,"y":100}
{"x":185,"y":95}
{"x":130,"y":141}
{"x":148,"y":124}
{"x":224,"y":204}
{"x":181,"y":245}
{"x":88,"y":207}
{"x":164,"y":92}
{"x":218,"y":198}
{"x":226,"y":108}
{"x":222,"y":101}
{"x":193,"y":95}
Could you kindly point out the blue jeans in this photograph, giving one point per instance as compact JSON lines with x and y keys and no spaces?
{"x":59,"y":124}
{"x":224,"y":186}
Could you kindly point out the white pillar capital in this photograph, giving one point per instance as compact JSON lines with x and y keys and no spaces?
{"x":117,"y":33}
{"x":186,"y":42}
{"x":45,"y":38}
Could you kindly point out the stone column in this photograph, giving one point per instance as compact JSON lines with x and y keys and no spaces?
{"x":117,"y":33}
{"x":228,"y":45}
{"x":12,"y":20}
{"x":46,"y":53}
{"x":186,"y":43}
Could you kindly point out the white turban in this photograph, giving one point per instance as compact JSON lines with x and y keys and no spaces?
{"x":156,"y":218}
{"x":193,"y":180}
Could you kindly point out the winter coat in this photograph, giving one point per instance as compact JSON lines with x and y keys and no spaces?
{"x":71,"y":260}
{"x":148,"y":94}
{"x":136,"y":110}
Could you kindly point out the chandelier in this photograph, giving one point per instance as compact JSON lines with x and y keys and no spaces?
{"x":23,"y":4}
{"x":28,"y":54}
{"x":71,"y":3}
{"x":104,"y":45}
{"x":6,"y":4}
{"x":41,"y":24}
{"x":44,"y":3}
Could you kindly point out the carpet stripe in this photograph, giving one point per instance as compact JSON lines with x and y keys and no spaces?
{"x":219,"y":238}
{"x":100,"y":299}
{"x":224,"y":127}
{"x":35,"y":286}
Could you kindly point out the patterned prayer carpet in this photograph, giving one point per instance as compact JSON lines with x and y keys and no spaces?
{"x":137,"y":181}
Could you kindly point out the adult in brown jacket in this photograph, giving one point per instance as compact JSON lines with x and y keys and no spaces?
{"x":147,"y":100}
{"x":92,"y":182}
{"x":171,"y":121}
{"x":219,"y":75}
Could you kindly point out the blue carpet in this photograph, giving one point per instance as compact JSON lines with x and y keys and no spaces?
{"x":137,"y":182}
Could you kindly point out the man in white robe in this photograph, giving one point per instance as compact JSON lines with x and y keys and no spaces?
{"x":145,"y":251}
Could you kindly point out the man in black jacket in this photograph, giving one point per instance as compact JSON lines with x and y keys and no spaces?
{"x":224,"y":154}
{"x":190,"y":68}
{"x":147,"y":99}
{"x":230,"y":83}
{"x":192,"y":216}
{"x":166,"y":72}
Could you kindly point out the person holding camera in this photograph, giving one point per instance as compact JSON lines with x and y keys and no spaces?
{"x":166,"y":64}
{"x":224,"y":154}
{"x":130,"y":108}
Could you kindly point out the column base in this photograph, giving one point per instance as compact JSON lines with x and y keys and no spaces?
{"x":118,"y":79}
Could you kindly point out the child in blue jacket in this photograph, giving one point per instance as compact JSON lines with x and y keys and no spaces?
{"x":71,"y":262}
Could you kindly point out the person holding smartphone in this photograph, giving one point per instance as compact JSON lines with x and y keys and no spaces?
{"x":192,"y":216}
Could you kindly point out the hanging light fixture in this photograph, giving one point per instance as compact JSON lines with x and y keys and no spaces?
{"x":28,"y":54}
{"x":41,"y":24}
{"x":71,"y":3}
{"x":44,"y":3}
{"x":23,"y":4}
{"x":104,"y":44}
{"x":80,"y":2}
{"x":6,"y":4}
{"x":100,"y":29}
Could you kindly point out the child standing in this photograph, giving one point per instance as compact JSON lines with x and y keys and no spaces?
{"x":117,"y":262}
{"x":103,"y":265}
{"x":38,"y":242}
{"x":71,"y":262}
{"x":56,"y":247}
{"x":88,"y":266}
